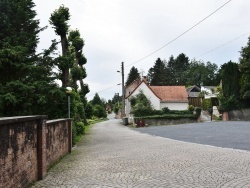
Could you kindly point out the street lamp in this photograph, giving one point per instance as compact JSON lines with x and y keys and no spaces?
{"x":68,"y":92}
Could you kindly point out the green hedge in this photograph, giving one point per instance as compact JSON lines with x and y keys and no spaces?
{"x":146,"y":112}
{"x":169,"y":116}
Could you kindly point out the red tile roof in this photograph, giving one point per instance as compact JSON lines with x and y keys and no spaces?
{"x":171,"y":93}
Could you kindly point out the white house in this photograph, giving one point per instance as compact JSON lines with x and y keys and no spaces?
{"x":173,"y":97}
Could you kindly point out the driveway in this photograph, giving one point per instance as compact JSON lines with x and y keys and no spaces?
{"x":112,"y":155}
{"x":234,"y":135}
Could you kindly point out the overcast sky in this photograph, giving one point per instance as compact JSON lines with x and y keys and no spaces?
{"x":128,"y":30}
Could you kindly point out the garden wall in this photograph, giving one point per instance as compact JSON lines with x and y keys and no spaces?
{"x":239,"y":115}
{"x":152,"y":122}
{"x":28,"y":146}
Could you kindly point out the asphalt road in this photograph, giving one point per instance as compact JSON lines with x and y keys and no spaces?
{"x":234,"y":134}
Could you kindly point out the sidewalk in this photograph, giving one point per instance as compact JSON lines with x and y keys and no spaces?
{"x":112,"y":155}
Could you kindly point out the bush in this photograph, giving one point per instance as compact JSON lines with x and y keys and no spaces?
{"x":206,"y":103}
{"x":77,"y":131}
{"x":168,"y":116}
{"x":79,"y":127}
{"x":89,"y":110}
{"x":166,"y":110}
{"x":99,"y":111}
{"x":191,"y":108}
{"x":180,"y":112}
{"x":198,"y":111}
{"x":228,"y":103}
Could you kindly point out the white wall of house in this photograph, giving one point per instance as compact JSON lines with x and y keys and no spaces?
{"x":155,"y":101}
{"x":175,"y":105}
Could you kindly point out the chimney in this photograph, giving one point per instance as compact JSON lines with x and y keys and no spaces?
{"x":144,"y":78}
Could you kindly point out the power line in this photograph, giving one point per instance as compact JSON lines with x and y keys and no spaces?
{"x":101,"y":91}
{"x":181,"y":34}
{"x":173,"y":40}
{"x":109,"y":71}
{"x":210,"y":50}
{"x":222,"y":45}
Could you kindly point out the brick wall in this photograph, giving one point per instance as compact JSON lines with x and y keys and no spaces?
{"x":28,"y":146}
{"x":57,"y":142}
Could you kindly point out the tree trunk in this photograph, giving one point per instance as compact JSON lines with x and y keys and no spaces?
{"x":84,"y":118}
{"x":65,"y":71}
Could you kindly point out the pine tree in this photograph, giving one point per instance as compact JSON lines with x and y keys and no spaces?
{"x":245,"y":70}
{"x":157,"y":73}
{"x":181,"y":65}
{"x":132,"y":75}
{"x":18,"y":42}
{"x":230,"y":79}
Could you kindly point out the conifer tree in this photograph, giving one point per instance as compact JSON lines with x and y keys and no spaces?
{"x":245,"y":70}
{"x":132,"y":75}
{"x":157,"y":74}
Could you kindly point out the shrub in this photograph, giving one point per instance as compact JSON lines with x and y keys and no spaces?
{"x":191,"y":108}
{"x":77,"y":131}
{"x":180,"y":112}
{"x":206,"y":103}
{"x":99,"y":111}
{"x":89,"y":110}
{"x":166,"y":110}
{"x":228,"y":103}
{"x":79,"y":128}
{"x":198,"y":111}
{"x":168,"y":116}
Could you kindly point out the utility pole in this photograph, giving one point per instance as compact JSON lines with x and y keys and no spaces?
{"x":123,"y":92}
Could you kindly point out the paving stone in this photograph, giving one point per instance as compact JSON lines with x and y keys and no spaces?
{"x":112,"y":155}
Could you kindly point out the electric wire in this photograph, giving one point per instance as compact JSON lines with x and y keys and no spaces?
{"x":223,"y":45}
{"x":218,"y":46}
{"x":171,"y":41}
{"x":181,"y":34}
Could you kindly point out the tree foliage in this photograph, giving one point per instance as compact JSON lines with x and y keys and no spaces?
{"x":59,"y":20}
{"x":230,"y":79}
{"x":140,"y":104}
{"x":157,"y":74}
{"x":200,"y":73}
{"x":132,"y":75}
{"x":182,"y":71}
{"x":27,"y":80}
{"x":245,"y":70}
{"x":97,"y":100}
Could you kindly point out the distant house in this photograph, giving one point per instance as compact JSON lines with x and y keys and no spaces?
{"x":108,"y":108}
{"x":210,"y":91}
{"x":173,"y":97}
{"x":194,"y":96}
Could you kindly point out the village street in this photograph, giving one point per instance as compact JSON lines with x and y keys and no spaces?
{"x":113,"y":155}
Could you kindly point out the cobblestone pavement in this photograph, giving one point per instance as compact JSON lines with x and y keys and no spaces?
{"x":112,"y":155}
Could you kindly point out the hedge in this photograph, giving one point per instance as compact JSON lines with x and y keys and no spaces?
{"x":168,"y":116}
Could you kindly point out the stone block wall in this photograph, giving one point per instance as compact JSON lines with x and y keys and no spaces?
{"x":239,"y":115}
{"x":155,"y":122}
{"x":25,"y":152}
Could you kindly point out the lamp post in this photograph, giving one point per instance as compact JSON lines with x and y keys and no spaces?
{"x":68,"y":92}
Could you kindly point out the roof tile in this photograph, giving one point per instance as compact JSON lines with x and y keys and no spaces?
{"x":171,"y":93}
